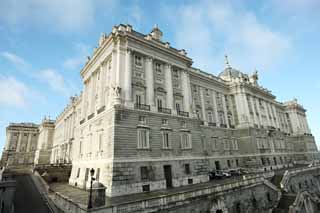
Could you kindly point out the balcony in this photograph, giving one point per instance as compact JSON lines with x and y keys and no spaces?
{"x":182,"y":113}
{"x":142,"y":107}
{"x":91,"y":116}
{"x":212,"y":124}
{"x":164,"y":110}
{"x":232,"y":126}
{"x":82,"y":121}
{"x":101,"y":109}
{"x":201,"y":122}
{"x":223,"y":125}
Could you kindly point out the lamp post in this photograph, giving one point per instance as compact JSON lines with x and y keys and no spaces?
{"x":90,"y":193}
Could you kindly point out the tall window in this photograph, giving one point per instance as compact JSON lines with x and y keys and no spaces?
{"x":80,"y":147}
{"x":138,"y":61}
{"x":100,"y":148}
{"x":210,"y":117}
{"x":159,"y":102}
{"x":187,"y":168}
{"x":178,"y":107}
{"x":165,"y":140}
{"x":138,"y":99}
{"x":158,"y":68}
{"x":143,"y":138}
{"x":185,"y":141}
{"x":144,"y":173}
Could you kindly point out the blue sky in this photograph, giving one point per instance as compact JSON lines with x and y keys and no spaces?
{"x":43,"y":45}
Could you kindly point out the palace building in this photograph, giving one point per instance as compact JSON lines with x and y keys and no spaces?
{"x":147,"y":120}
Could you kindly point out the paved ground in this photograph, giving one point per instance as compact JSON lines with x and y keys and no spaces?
{"x":81,"y":196}
{"x":27,"y":199}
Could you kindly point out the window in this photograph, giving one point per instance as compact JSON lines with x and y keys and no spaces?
{"x":142,"y":119}
{"x":207,"y":92}
{"x":159,"y":103}
{"x":226,"y":144}
{"x":100,"y":148}
{"x":158,"y":68}
{"x":237,"y":162}
{"x":165,"y":140}
{"x":185,"y":141}
{"x":164,"y":121}
{"x":183,"y":124}
{"x":144,"y":173}
{"x":98,"y":174}
{"x":178,"y":107}
{"x":229,"y":164}
{"x":214,"y":144}
{"x":210,"y":117}
{"x":78,"y":172}
{"x":80,"y":147}
{"x":187,"y":168}
{"x":138,"y":99}
{"x":143,"y":139}
{"x":235,"y":144}
{"x":137,"y":61}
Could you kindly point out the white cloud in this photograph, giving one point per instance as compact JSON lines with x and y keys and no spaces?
{"x":64,"y":15}
{"x":210,"y":29}
{"x":55,"y":81}
{"x":17,"y":61}
{"x":13,"y":92}
{"x":82,"y":51}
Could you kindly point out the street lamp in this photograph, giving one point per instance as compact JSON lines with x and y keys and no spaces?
{"x":90,"y":193}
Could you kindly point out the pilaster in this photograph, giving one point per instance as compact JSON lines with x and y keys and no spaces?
{"x":215,"y":108}
{"x":29,"y":142}
{"x":128,"y":79}
{"x":203,"y":110}
{"x":19,"y":142}
{"x":168,"y":80}
{"x":225,"y":110}
{"x":150,"y":83}
{"x":186,"y":91}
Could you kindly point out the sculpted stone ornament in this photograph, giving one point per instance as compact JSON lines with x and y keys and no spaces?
{"x":116,"y":95}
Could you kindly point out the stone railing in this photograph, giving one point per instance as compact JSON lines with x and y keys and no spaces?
{"x":288,"y":174}
{"x":299,"y":201}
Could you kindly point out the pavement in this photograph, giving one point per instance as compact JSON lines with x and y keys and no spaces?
{"x":27,"y":199}
{"x":80,"y":196}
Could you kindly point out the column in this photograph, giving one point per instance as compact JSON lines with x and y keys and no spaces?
{"x":113,"y":68}
{"x":168,"y":79}
{"x":225,"y":110}
{"x":203,"y":110}
{"x":103,"y":67}
{"x":29,"y":142}
{"x":186,"y":91}
{"x":128,"y":78}
{"x":267,"y":114}
{"x":258,"y":108}
{"x":8,"y":141}
{"x":149,"y":81}
{"x":256,"y":120}
{"x":19,"y":142}
{"x":84,"y":105}
{"x":276,"y":116}
{"x":215,"y":108}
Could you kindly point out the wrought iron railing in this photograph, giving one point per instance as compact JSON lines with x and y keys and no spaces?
{"x":212,"y":124}
{"x":164,"y":110}
{"x":184,"y":114}
{"x":142,"y":107}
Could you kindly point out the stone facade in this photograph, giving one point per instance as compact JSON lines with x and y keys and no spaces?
{"x":21,"y":143}
{"x":147,"y":120}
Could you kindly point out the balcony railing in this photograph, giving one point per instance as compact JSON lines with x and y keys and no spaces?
{"x":142,"y":107}
{"x":212,"y":124}
{"x":232,"y":126}
{"x":164,"y":110}
{"x":201,"y":122}
{"x":182,"y":113}
{"x":223,"y":125}
{"x":101,"y":109}
{"x":82,"y":121}
{"x":90,"y":116}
